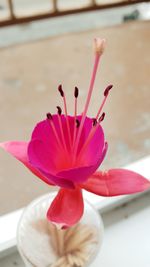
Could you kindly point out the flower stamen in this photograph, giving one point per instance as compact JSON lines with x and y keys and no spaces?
{"x":59,"y":110}
{"x":61,"y":128}
{"x":61,"y":90}
{"x":76,"y":94}
{"x":65,"y":110}
{"x":97,"y":120}
{"x":94,"y":121}
{"x":101,"y":118}
{"x":106,"y":93}
{"x":49,"y":116}
{"x":50,"y":119}
{"x":91,"y":133}
{"x":77,"y":123}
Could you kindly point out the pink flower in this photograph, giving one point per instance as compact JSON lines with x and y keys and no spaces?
{"x":67,"y":150}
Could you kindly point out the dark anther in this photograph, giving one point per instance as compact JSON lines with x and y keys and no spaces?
{"x":94,"y":121}
{"x":77,"y":123}
{"x":76,"y":92}
{"x":101,"y":118}
{"x":49,"y":116}
{"x":108,"y":88}
{"x":59,"y":110}
{"x":61,"y":90}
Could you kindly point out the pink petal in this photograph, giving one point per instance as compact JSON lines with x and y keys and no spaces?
{"x":80,"y":174}
{"x":39,"y":158}
{"x":116,"y":182}
{"x":67,"y":208}
{"x":19,"y":151}
{"x":44,"y":132}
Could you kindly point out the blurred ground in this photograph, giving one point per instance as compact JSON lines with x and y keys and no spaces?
{"x":30,"y":74}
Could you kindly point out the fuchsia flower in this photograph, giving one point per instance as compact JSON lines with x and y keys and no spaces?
{"x":67,"y":150}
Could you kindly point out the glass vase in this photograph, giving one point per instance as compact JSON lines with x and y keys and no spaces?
{"x":41,"y":244}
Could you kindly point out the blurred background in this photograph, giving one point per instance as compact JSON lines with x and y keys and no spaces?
{"x":46,"y":42}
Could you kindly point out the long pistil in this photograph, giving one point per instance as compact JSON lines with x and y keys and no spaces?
{"x":99,"y":49}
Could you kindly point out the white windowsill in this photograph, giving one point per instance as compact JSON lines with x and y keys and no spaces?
{"x":9,"y":222}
